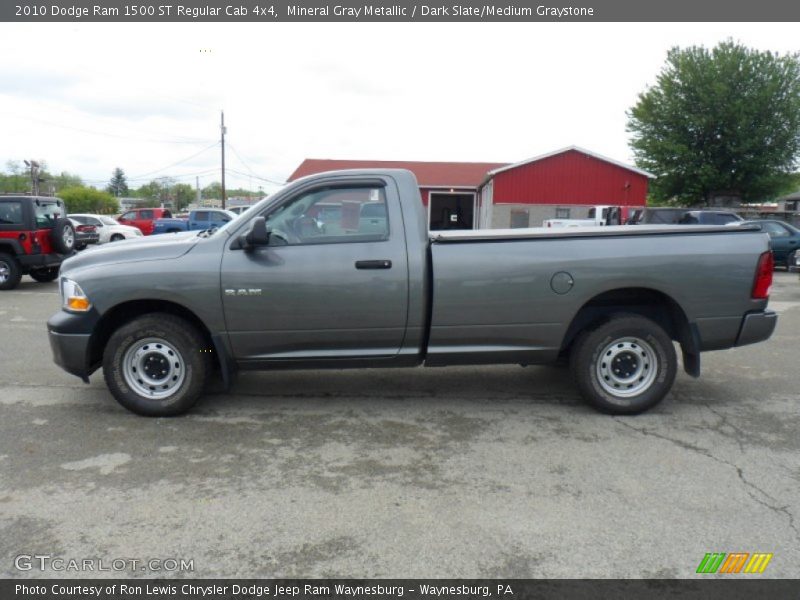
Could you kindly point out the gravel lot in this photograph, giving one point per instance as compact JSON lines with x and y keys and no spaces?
{"x":463,"y":472}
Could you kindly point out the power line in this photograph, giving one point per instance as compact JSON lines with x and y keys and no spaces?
{"x":246,"y":166}
{"x":145,"y":175}
{"x":257,"y":177}
{"x":178,"y":176}
{"x":112,"y":135}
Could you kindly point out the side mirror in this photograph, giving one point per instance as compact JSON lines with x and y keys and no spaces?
{"x":257,"y":235}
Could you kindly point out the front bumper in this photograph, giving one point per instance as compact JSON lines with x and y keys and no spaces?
{"x":757,"y":327}
{"x":70,"y":340}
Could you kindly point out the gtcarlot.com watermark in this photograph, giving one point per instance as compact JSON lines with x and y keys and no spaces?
{"x":59,"y":564}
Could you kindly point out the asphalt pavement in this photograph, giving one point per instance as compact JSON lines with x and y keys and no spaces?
{"x":459,"y":472}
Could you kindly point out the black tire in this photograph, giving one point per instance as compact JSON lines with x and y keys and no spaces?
{"x":790,"y":260}
{"x":10,"y":272}
{"x":63,"y":236}
{"x":639,"y":369}
{"x":45,"y":275}
{"x":117,"y":237}
{"x":173,"y":339}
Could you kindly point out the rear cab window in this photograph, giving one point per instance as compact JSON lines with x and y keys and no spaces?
{"x":47,"y":213}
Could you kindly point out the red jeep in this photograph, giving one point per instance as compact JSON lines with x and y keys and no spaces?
{"x":144,"y":218}
{"x":35,"y":237}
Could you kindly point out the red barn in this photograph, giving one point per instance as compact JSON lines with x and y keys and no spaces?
{"x":561,"y":184}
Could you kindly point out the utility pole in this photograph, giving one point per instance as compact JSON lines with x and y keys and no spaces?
{"x":222,"y":140}
{"x":34,"y":166}
{"x":197,"y":185}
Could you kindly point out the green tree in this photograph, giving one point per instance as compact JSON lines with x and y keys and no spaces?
{"x":719,"y":123}
{"x":16,"y":180}
{"x":151,"y":194}
{"x":89,"y":200}
{"x":213,"y":191}
{"x":182,"y":194}
{"x":118,"y":186}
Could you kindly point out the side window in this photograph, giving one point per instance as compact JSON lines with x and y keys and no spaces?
{"x":331,"y":215}
{"x":146,"y":214}
{"x":775,"y":230}
{"x":10,"y":213}
{"x":129,"y":216}
{"x":563,"y":213}
{"x":166,"y":214}
{"x":201,"y":215}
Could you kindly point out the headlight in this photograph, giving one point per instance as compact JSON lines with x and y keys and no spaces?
{"x":72,"y":297}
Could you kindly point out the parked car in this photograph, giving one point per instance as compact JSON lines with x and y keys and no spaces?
{"x":85,"y":235}
{"x":108,"y":228}
{"x":197,"y":221}
{"x":682,"y":216}
{"x":144,"y":218}
{"x":263,"y":292}
{"x":784,"y":239}
{"x":35,"y":237}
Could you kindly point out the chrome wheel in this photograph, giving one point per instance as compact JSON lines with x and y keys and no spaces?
{"x":5,"y":272}
{"x":627,"y":367}
{"x":153,"y":368}
{"x":68,"y":236}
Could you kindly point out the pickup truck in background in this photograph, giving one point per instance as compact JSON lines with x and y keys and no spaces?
{"x":598,"y":216}
{"x":197,"y":220}
{"x":310,"y":278}
{"x":144,"y":218}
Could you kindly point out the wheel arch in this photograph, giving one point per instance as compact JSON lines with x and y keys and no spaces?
{"x":11,"y":246}
{"x":125,"y":312}
{"x":647,"y":302}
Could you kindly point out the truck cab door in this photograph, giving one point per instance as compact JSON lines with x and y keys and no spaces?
{"x":327,"y":286}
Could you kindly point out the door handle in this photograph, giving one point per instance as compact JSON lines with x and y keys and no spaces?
{"x":373,"y":264}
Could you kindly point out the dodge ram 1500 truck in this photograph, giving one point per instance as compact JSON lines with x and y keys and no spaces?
{"x":285,"y":286}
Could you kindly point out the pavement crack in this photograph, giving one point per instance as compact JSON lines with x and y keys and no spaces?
{"x":750,"y":488}
{"x":724,"y":421}
{"x":781,"y":510}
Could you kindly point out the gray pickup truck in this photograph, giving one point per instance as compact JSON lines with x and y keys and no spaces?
{"x":310,"y":279}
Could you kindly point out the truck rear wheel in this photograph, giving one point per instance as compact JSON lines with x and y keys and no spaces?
{"x":625,"y":365}
{"x":156,"y":365}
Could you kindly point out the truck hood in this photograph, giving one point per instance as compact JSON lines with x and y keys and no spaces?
{"x":156,"y":247}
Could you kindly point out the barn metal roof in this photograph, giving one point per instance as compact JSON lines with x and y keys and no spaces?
{"x":428,"y":174}
{"x":562,"y":151}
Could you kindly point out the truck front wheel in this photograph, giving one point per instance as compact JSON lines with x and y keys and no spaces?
{"x":625,"y":365}
{"x":156,"y":365}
